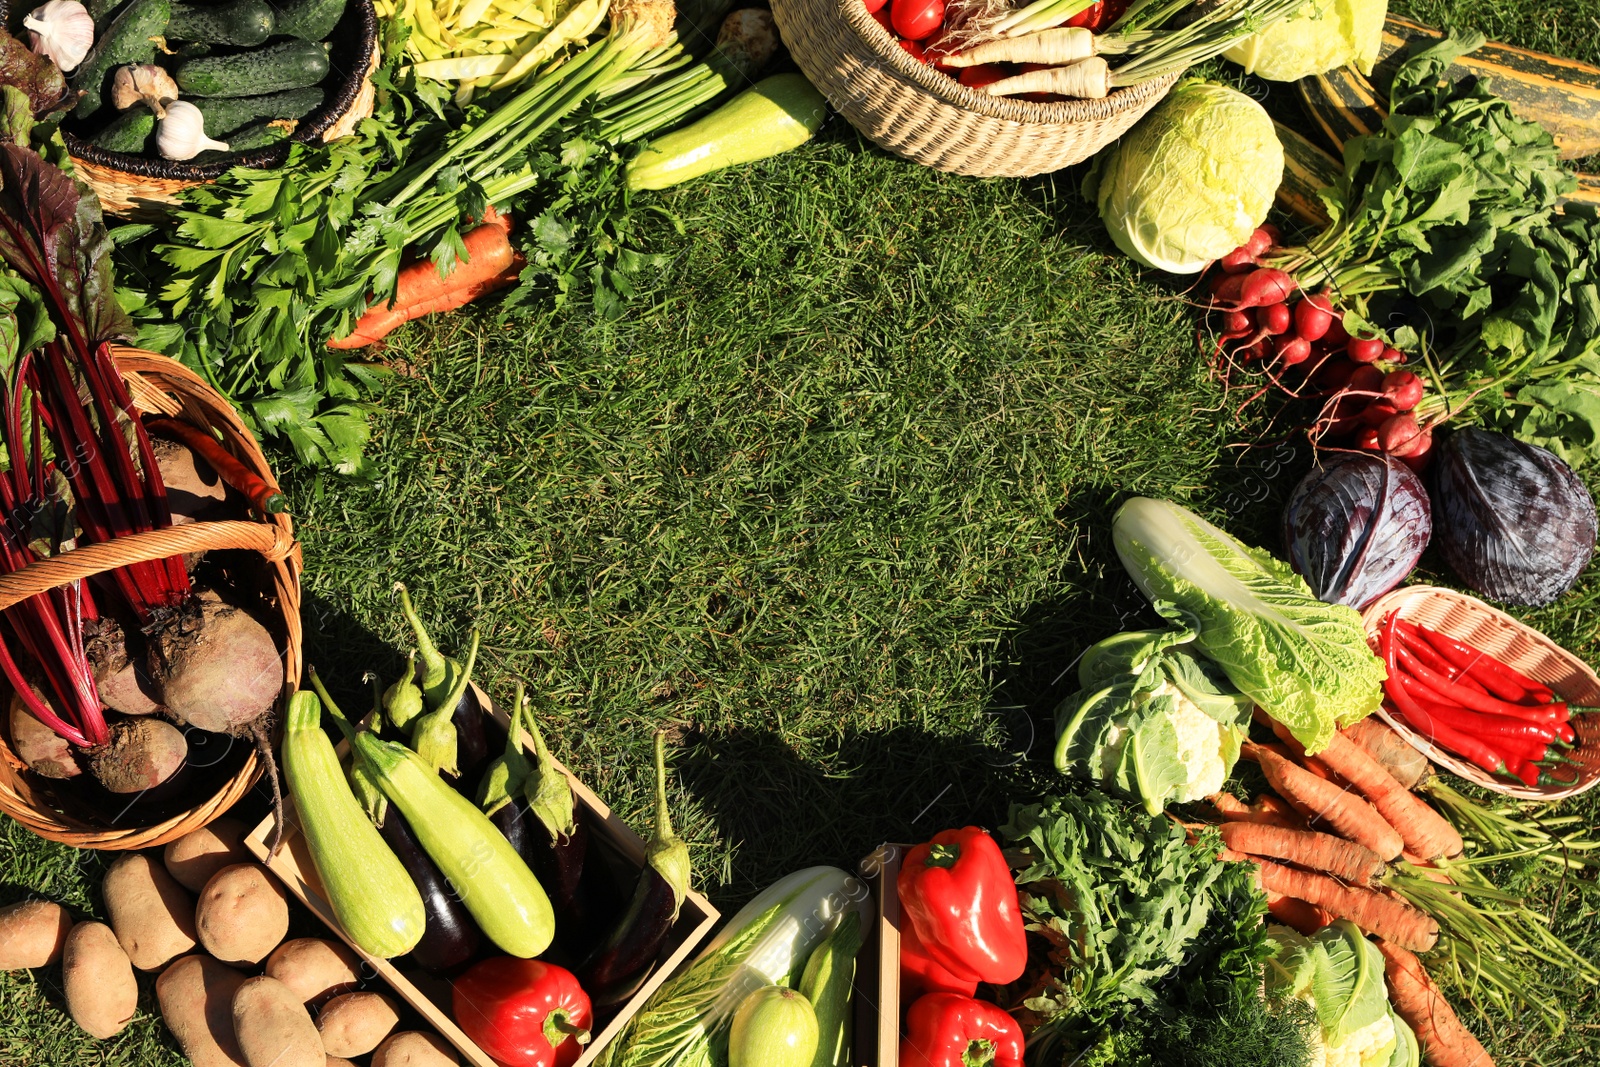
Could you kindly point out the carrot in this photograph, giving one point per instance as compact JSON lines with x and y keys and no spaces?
{"x":1372,"y":911}
{"x":1423,"y":830}
{"x":1232,"y":809}
{"x":1343,"y":859}
{"x":263,"y":497}
{"x":1426,"y":869}
{"x":1405,"y":764}
{"x":1057,"y":46}
{"x":490,"y":264}
{"x":1348,"y":814}
{"x":1087,"y":79}
{"x":1445,"y":1042}
{"x":1296,"y":914}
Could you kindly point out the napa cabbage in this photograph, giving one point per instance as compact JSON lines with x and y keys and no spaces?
{"x":1323,"y":36}
{"x":1306,"y":663}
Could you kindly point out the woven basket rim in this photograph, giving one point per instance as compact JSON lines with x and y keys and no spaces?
{"x":1411,"y":595}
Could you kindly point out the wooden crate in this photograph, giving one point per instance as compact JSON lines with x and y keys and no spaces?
{"x":430,"y":996}
{"x":877,"y":986}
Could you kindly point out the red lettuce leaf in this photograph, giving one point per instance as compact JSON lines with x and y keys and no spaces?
{"x":35,"y":75}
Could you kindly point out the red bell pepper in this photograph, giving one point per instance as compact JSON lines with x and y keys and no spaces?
{"x":523,"y":1013}
{"x":946,"y":1030}
{"x":958,"y":893}
{"x":919,"y":974}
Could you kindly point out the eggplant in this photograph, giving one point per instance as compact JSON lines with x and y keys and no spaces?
{"x":472,"y":742}
{"x":450,"y":937}
{"x":1356,"y":525}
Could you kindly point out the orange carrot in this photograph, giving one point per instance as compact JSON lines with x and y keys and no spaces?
{"x":1372,"y":911}
{"x":1343,"y":859}
{"x":1423,"y":830}
{"x":1445,"y":1042}
{"x":421,"y":290}
{"x":1267,"y":804}
{"x":1296,"y":914}
{"x":1404,"y":763}
{"x":1317,"y":800}
{"x":1428,"y":870}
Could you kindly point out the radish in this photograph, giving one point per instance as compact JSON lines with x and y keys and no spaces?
{"x":1341,"y":417}
{"x":1403,"y":388}
{"x":1227,"y":288}
{"x":1334,"y":374}
{"x":142,"y":754}
{"x":1274,"y":319}
{"x":1236,"y":324}
{"x":1253,"y":351}
{"x":1379,"y":411}
{"x":1393,"y":355}
{"x":1313,"y":316}
{"x":1366,"y":379}
{"x":1265,"y":286}
{"x":978,"y":77}
{"x":1258,"y":242}
{"x":1418,"y":452}
{"x":1239,"y":261}
{"x":1336,"y":335}
{"x":1397,"y":431}
{"x":1364,"y":349}
{"x":1367,"y":440}
{"x":1292,"y":349}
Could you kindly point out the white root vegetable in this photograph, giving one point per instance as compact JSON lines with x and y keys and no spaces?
{"x":31,"y":934}
{"x":1058,"y":46}
{"x":98,"y":981}
{"x":1087,"y":79}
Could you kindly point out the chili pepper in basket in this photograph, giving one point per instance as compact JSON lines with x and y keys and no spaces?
{"x":958,"y":892}
{"x":1468,"y":748}
{"x":1478,"y":724}
{"x":1470,"y":698}
{"x":1418,"y":646}
{"x":947,"y":1030}
{"x":920,"y":975}
{"x":1499,"y":678}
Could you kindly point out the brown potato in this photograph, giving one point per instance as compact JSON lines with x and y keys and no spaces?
{"x":193,"y":858}
{"x":152,"y":915}
{"x":32,"y":933}
{"x":273,"y":1027}
{"x":243,"y":914}
{"x":315,"y":968}
{"x":413,"y":1048}
{"x":98,"y":979}
{"x":338,"y":1061}
{"x":196,"y":998}
{"x":353,"y":1024}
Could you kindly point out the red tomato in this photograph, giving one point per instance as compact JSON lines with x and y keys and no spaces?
{"x":979,"y":76}
{"x":914,"y":50}
{"x":1089,"y":17}
{"x":874,"y":5}
{"x":915,"y":20}
{"x":881,"y":16}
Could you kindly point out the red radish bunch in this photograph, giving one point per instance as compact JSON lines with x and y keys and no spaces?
{"x":1368,"y":401}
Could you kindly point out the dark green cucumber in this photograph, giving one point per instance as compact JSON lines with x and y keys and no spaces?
{"x":240,"y":22}
{"x":127,"y":39}
{"x":310,"y":20}
{"x":224,"y":114}
{"x":99,"y":9}
{"x":275,"y":68}
{"x":128,"y":132}
{"x":248,"y":139}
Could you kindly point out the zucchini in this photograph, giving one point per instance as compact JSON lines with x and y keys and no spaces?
{"x":1343,"y":104}
{"x":128,"y":39}
{"x":1562,"y":95}
{"x":775,"y":115}
{"x":310,"y":20}
{"x":128,"y":132}
{"x":224,"y":114}
{"x":1306,"y":169}
{"x":239,"y":22}
{"x":275,"y":68}
{"x":372,"y":896}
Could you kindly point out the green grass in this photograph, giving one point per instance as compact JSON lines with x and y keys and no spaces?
{"x":832,"y":500}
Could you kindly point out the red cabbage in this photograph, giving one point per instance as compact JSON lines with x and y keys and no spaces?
{"x":1356,"y":525}
{"x":1515,"y":523}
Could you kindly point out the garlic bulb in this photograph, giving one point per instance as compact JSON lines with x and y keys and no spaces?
{"x":61,"y":30}
{"x":182,"y":133}
{"x":143,"y":83}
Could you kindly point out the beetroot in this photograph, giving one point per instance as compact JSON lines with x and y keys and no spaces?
{"x":41,"y":748}
{"x":217,"y":669}
{"x":119,"y":677}
{"x":142,"y":754}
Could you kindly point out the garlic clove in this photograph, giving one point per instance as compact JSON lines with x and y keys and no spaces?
{"x":182,"y":133}
{"x":144,"y":83}
{"x":62,"y":30}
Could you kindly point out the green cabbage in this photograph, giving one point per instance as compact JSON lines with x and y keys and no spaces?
{"x":1305,"y":662}
{"x":1192,"y":180}
{"x":1323,"y":36}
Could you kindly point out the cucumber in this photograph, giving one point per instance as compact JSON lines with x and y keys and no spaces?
{"x":240,"y":22}
{"x":99,"y":9}
{"x":259,"y":135}
{"x":310,"y":20}
{"x":291,"y":65}
{"x":775,"y":115}
{"x":127,"y":39}
{"x":225,"y":114}
{"x":128,"y":132}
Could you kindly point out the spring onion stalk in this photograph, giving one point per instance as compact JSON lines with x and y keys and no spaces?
{"x":1218,"y":29}
{"x":1040,"y":15}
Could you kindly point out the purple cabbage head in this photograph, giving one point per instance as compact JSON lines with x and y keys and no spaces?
{"x":1515,"y":523}
{"x":1356,"y":525}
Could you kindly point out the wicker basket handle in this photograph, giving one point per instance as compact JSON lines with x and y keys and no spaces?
{"x":272,"y":540}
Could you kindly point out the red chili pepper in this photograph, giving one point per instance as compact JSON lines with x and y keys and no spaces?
{"x":1527,"y":772}
{"x":1500,"y":679}
{"x":1469,"y":748}
{"x":959,"y":894}
{"x":1460,"y":694}
{"x":920,"y":975}
{"x":1477,"y":723}
{"x":1418,"y":646}
{"x":946,"y":1030}
{"x":523,"y":1013}
{"x":1567,"y":734}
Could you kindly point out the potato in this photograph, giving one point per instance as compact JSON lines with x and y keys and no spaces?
{"x":314,"y":968}
{"x":338,"y":1061}
{"x":413,"y":1048}
{"x":152,"y":915}
{"x":353,"y":1024}
{"x":273,"y":1027}
{"x":32,"y":933}
{"x":196,"y":998}
{"x":243,"y":914}
{"x":98,"y":979}
{"x":193,"y":858}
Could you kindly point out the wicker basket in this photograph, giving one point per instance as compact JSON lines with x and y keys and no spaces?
{"x":1475,"y":623}
{"x":159,"y":385}
{"x":928,"y":117}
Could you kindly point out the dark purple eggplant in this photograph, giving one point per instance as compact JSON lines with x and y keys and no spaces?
{"x":1513,"y":521}
{"x":1356,"y":525}
{"x":614,"y":970}
{"x":472,"y":744}
{"x":450,"y":938}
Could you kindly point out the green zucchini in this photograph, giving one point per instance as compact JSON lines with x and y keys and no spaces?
{"x":373,"y":898}
{"x":310,"y":20}
{"x":128,"y":132}
{"x":1343,"y":104}
{"x":1306,"y":168}
{"x":239,"y":22}
{"x":275,"y":68}
{"x":129,"y":38}
{"x":224,"y":114}
{"x":775,"y":115}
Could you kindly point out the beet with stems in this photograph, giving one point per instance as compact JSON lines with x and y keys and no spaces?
{"x":41,"y":748}
{"x":141,"y":755}
{"x":120,"y":676}
{"x":216,"y":668}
